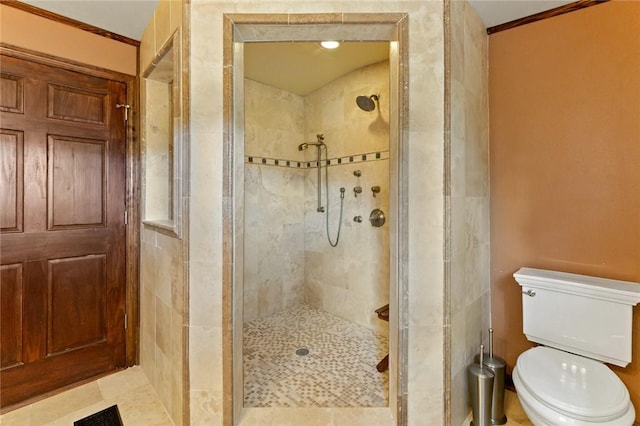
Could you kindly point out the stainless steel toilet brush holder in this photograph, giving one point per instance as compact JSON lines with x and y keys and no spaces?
{"x":480,"y":380}
{"x":498,"y":367}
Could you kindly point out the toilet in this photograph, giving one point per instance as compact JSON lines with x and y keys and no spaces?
{"x":580,"y":323}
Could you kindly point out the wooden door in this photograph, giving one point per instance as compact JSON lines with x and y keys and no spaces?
{"x":62,"y":230}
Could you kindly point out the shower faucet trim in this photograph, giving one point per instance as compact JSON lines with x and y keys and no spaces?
{"x":319,"y":166}
{"x":319,"y":144}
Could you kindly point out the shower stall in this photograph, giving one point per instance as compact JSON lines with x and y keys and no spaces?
{"x":316,"y":166}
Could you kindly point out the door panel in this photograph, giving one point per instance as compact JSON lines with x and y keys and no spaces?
{"x":70,"y":329}
{"x":62,"y":236}
{"x":11,"y":160}
{"x":11,"y":306}
{"x":76,"y":183}
{"x":11,"y":93}
{"x":74,"y":104}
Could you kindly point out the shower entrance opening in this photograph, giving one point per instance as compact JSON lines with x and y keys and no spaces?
{"x":310,"y":167}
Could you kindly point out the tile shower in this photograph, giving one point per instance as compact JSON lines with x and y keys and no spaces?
{"x":290,"y":270}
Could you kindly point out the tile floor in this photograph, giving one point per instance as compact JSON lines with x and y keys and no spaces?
{"x":137,"y":402}
{"x":139,"y":406}
{"x":338,"y":371}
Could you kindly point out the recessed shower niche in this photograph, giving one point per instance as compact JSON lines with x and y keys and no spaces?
{"x":162,"y":140}
{"x":313,"y":276}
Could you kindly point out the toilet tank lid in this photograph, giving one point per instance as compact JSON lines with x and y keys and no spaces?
{"x":627,"y":292}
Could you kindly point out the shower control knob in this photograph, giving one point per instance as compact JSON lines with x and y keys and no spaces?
{"x":357,"y":190}
{"x":357,"y":219}
{"x":375,"y":190}
{"x":377,"y":218}
{"x":357,"y":173}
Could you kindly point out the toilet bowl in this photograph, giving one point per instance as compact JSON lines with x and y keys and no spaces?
{"x":559,"y":388}
{"x":582,"y":322}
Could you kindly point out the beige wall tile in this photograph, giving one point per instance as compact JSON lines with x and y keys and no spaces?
{"x":162,"y":17}
{"x":469,"y":202}
{"x":257,"y":416}
{"x":163,"y":326}
{"x":368,"y":416}
{"x":299,"y":416}
{"x":205,"y":358}
{"x":148,"y":45}
{"x":274,"y":202}
{"x":175,"y":14}
{"x":205,"y":408}
{"x":162,"y":379}
{"x":163,"y":268}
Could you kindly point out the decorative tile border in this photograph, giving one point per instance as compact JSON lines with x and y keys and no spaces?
{"x":338,"y":161}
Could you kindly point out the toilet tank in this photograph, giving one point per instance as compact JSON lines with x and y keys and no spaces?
{"x":580,"y":314}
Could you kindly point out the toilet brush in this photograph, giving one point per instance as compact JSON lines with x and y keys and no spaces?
{"x":497,"y":366}
{"x":480,"y":390}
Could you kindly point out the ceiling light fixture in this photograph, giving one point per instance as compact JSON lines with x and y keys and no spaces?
{"x":330,"y":44}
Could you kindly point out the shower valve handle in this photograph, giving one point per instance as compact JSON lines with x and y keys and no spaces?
{"x":357,"y":190}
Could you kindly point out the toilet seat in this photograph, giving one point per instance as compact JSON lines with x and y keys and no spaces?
{"x":573,"y":386}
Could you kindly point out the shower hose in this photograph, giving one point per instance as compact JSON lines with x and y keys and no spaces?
{"x":342,"y":190}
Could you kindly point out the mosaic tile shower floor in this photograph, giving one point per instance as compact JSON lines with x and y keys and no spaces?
{"x":339,"y":370}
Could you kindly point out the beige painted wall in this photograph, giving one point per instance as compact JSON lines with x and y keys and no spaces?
{"x":470,"y":290}
{"x":23,"y":29}
{"x":163,"y":270}
{"x":565,"y":102}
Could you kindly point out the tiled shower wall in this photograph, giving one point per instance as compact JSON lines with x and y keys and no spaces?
{"x":288,"y":259}
{"x":352,"y":279}
{"x":162,"y":258}
{"x":274,"y":201}
{"x":424,"y":150}
{"x":470,"y":286}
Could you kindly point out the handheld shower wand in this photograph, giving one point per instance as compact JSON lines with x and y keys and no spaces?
{"x":320,"y":208}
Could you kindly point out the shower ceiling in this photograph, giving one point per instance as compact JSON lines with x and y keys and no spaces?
{"x":302,"y":67}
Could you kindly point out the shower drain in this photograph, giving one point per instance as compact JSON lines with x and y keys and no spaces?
{"x":302,"y":351}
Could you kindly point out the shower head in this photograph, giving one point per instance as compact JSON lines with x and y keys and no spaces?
{"x":367,"y":103}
